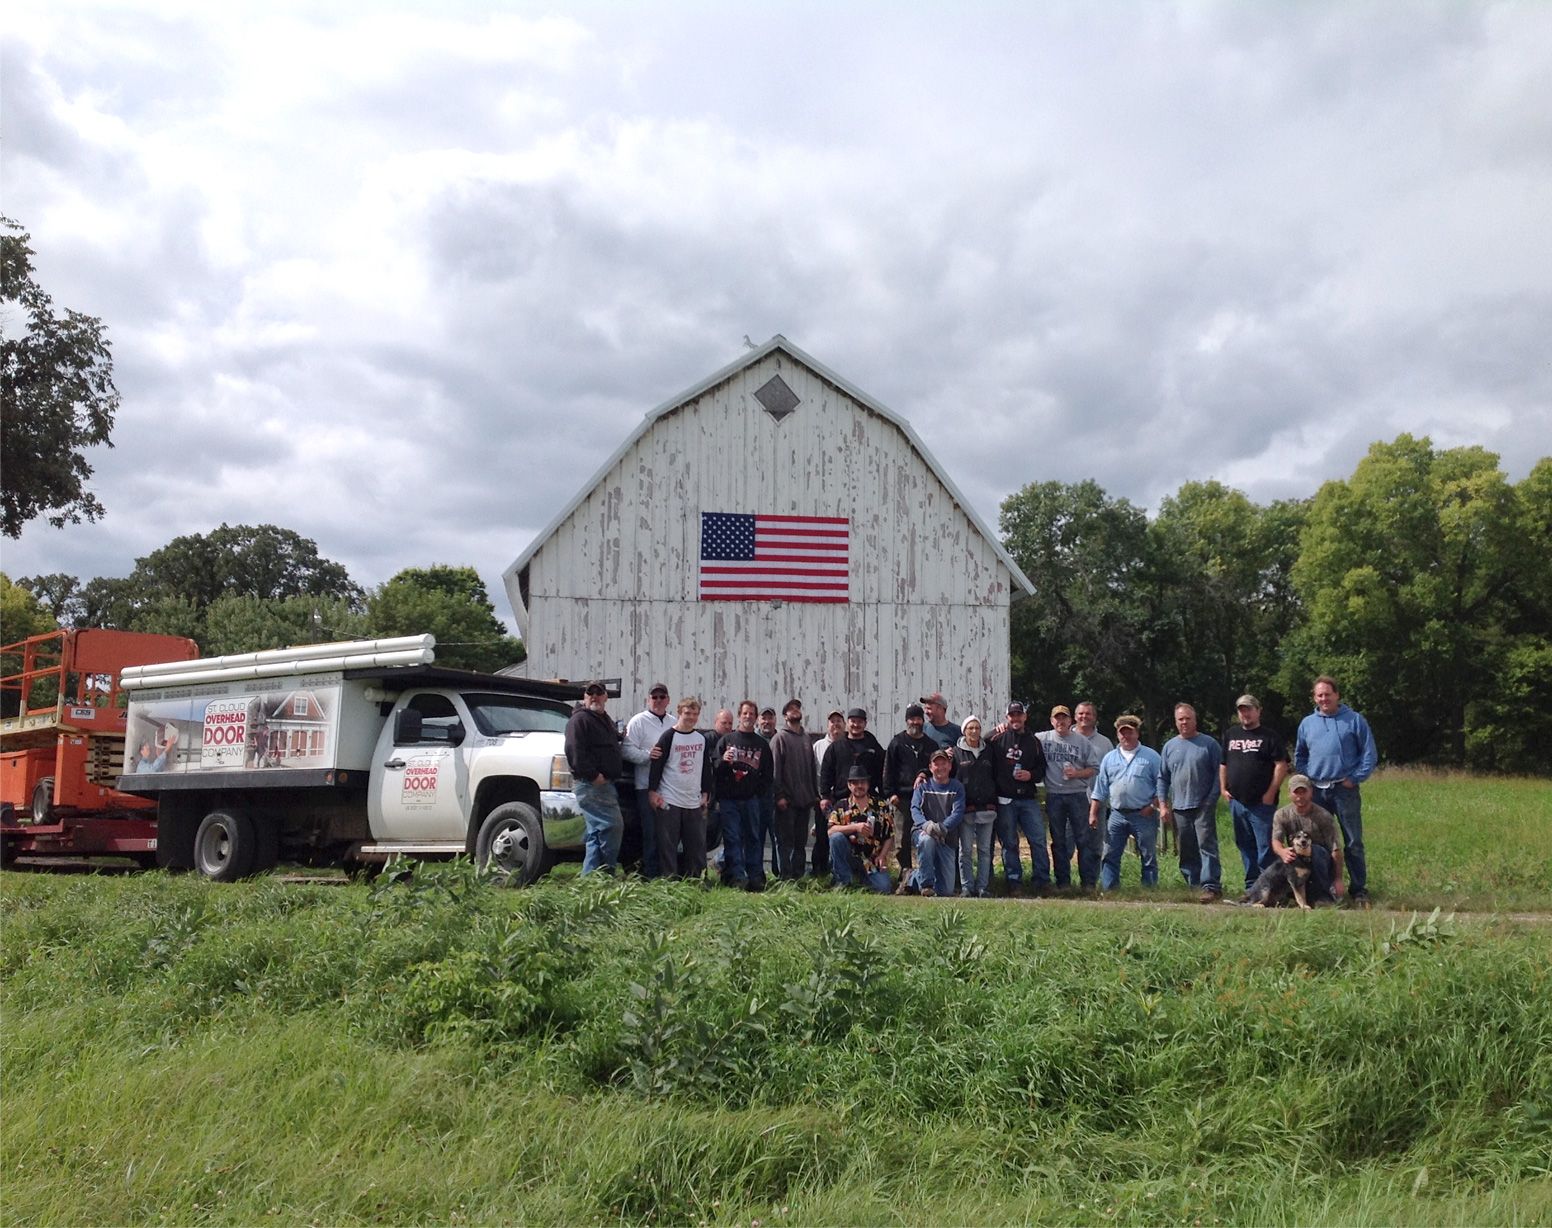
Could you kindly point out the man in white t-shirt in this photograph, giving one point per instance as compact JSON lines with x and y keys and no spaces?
{"x":641,"y":735}
{"x":679,"y":788}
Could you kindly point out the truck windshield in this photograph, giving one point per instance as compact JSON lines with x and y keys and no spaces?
{"x":498,"y":714}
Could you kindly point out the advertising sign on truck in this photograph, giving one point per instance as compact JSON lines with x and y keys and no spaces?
{"x":224,"y":727}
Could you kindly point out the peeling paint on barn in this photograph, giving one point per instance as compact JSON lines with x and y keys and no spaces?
{"x":610,"y":588}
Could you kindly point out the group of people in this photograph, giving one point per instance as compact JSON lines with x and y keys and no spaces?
{"x":935,"y":801}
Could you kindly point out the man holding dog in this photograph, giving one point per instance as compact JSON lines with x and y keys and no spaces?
{"x":1302,"y":814}
{"x":1336,"y":750}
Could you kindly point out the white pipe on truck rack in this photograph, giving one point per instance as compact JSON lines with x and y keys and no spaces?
{"x":278,"y":662}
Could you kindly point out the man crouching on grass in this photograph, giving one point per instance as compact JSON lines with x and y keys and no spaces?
{"x":1302,"y":814}
{"x":862,"y":834}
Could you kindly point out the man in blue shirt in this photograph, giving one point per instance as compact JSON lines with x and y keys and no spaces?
{"x":1191,"y":761}
{"x":1131,"y":780}
{"x":1336,"y":750}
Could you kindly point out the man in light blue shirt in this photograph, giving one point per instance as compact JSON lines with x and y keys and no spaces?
{"x":1191,"y":761}
{"x":1335,"y":749}
{"x":1131,"y":780}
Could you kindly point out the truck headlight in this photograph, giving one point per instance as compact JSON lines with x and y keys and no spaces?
{"x":560,"y":773}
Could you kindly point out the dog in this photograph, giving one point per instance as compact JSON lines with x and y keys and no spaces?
{"x":1282,"y":879}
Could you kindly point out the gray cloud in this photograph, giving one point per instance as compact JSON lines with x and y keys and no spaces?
{"x":403,"y":282}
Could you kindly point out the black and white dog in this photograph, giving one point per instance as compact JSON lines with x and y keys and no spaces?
{"x":1282,"y":879}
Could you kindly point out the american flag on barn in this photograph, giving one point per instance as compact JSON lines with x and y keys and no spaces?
{"x":771,"y":557}
{"x":772,"y":532}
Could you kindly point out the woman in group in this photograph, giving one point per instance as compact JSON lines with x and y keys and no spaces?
{"x":974,"y":769}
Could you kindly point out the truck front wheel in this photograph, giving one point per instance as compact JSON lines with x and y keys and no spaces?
{"x":511,"y":844}
{"x":225,"y":846}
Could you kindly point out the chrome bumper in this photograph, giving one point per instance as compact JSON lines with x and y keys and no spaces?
{"x":564,"y":826}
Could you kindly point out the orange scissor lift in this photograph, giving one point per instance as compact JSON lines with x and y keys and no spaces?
{"x":62,"y":726}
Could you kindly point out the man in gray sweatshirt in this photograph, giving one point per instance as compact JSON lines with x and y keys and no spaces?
{"x":797,"y":790}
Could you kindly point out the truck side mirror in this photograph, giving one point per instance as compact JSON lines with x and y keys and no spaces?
{"x":406,"y":727}
{"x":455,"y":733}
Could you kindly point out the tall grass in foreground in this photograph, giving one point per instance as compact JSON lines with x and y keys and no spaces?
{"x":652,"y":1053}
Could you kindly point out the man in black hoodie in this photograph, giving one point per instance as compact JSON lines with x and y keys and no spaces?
{"x":593,"y":751}
{"x":858,"y":746}
{"x":908,"y":759}
{"x":743,"y":776}
{"x":1020,"y":762}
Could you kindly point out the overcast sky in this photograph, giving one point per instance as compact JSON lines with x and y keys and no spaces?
{"x":401,"y":277}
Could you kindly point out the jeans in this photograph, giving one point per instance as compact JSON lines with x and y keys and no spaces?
{"x":935,"y":861}
{"x":646,"y":816}
{"x":1068,"y":815}
{"x":743,"y":850}
{"x":1253,"y":836}
{"x":1022,"y":815}
{"x":846,"y":866}
{"x":1347,"y":807}
{"x":1120,"y":825}
{"x":604,"y":825}
{"x":975,"y":836}
{"x":1196,"y":834}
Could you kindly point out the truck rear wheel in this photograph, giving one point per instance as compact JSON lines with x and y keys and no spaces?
{"x":225,"y":846}
{"x":43,"y":800}
{"x":511,"y":844}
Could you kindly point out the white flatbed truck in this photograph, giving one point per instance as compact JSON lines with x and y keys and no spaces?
{"x":350,"y":754}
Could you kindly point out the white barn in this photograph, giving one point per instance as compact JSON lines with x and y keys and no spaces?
{"x":916,"y":600}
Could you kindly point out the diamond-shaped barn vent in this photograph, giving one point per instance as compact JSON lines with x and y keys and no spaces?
{"x":778,"y":399}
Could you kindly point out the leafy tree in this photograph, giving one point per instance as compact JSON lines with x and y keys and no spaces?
{"x":1408,"y":570}
{"x":451,"y":603}
{"x":1089,"y":632}
{"x":172,"y":590}
{"x":1230,"y":601}
{"x":21,"y":616}
{"x":241,"y":560}
{"x":56,"y":382}
{"x":244,"y":623}
{"x":57,"y":593}
{"x":1509,"y":720}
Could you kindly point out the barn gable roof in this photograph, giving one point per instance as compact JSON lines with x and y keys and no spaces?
{"x":749,"y":359}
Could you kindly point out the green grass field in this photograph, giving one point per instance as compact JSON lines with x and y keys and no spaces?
{"x":1434,"y":839}
{"x":624,"y":1052}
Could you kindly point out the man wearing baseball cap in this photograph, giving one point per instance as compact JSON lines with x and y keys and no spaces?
{"x":1302,"y":814}
{"x":593,"y":752}
{"x":859,"y":746}
{"x":937,"y":810}
{"x":1255,"y":761}
{"x":1070,"y":763}
{"x":1131,"y":780}
{"x":907,"y":761}
{"x":639,"y":749}
{"x":938,"y":727}
{"x":1020,"y":767}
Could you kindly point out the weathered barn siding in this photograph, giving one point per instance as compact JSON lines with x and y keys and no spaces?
{"x":612,"y":588}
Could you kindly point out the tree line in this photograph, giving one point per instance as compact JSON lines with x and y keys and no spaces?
{"x":1422,"y":582}
{"x":240,"y":588}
